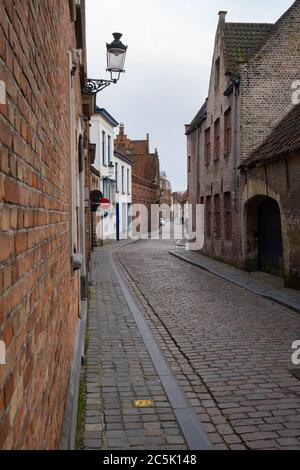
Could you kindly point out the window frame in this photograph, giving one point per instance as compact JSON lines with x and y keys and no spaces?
{"x":228,"y":215}
{"x":104,"y":148}
{"x":122,"y":179}
{"x":117,"y":176}
{"x":108,"y":149}
{"x":208,"y":215}
{"x":217,"y":73}
{"x":207,"y":142}
{"x":217,"y":139}
{"x":217,"y":216}
{"x":228,"y":132}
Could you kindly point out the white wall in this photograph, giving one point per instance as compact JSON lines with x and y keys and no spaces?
{"x":98,"y":126}
{"x":123,"y":194}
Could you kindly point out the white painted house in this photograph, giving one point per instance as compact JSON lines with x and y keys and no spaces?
{"x":123,"y":178}
{"x":115,"y":176}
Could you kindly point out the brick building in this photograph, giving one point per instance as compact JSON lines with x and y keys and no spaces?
{"x":250,"y":91}
{"x":270,"y":192}
{"x":44,"y":217}
{"x":145,"y":170}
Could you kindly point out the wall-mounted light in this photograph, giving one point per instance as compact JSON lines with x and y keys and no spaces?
{"x":111,"y":170}
{"x":116,"y":54}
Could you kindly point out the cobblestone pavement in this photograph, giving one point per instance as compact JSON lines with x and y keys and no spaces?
{"x":229,"y":349}
{"x":119,"y":371}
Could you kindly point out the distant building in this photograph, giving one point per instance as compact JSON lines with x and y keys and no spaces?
{"x":145,"y":171}
{"x":165,"y":195}
{"x":179,"y":200}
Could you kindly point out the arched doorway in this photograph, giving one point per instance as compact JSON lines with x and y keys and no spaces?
{"x":264,"y":246}
{"x":270,"y":249}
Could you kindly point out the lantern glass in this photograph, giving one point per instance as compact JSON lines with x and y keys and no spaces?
{"x":111,"y":170}
{"x":116,"y":53}
{"x":116,"y":60}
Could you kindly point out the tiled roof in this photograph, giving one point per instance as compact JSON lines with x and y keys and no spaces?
{"x":242,"y":41}
{"x":198,"y":119}
{"x":284,"y":140}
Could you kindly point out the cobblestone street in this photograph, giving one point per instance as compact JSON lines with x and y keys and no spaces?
{"x":120,"y":371}
{"x":229,"y":350}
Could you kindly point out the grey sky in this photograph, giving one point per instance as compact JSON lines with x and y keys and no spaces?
{"x":167,"y":67}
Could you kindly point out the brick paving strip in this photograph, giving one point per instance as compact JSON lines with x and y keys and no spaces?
{"x":120,"y":370}
{"x":229,"y":349}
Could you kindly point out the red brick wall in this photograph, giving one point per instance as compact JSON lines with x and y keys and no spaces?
{"x":38,"y":295}
{"x":145,"y":171}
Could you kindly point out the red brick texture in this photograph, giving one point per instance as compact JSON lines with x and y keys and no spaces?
{"x":38,"y":293}
{"x":145,"y":171}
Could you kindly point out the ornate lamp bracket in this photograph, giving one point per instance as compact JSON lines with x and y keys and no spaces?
{"x":93,"y":86}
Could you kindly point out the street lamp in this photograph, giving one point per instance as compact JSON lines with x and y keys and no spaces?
{"x":116,"y":53}
{"x":111,"y":170}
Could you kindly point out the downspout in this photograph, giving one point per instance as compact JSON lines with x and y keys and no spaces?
{"x":236,"y":83}
{"x":198,"y":164}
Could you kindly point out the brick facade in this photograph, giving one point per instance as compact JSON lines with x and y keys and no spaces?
{"x":145,"y":170}
{"x":250,"y":91}
{"x":39,"y":291}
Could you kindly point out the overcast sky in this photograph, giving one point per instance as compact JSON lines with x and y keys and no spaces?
{"x":167,"y":66}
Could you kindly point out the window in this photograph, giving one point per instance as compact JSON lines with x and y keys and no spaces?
{"x":227,"y":132}
{"x":123,"y":189}
{"x":217,"y":140}
{"x":227,"y":216}
{"x":207,"y":146}
{"x":109,"y":149}
{"x":189,"y":164}
{"x":217,"y":213}
{"x":208,"y":215}
{"x":128,"y":181}
{"x":103,"y":148}
{"x":105,"y":188}
{"x":217,"y":73}
{"x":117,"y":176}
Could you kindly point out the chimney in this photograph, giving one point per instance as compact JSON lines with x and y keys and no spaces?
{"x":148,"y":146}
{"x":121,"y":132}
{"x":222,"y":16}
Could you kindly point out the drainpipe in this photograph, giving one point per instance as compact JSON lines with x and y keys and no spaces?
{"x":236,"y":83}
{"x":198,"y":164}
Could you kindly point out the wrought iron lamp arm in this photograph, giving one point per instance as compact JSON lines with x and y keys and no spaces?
{"x":93,"y":86}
